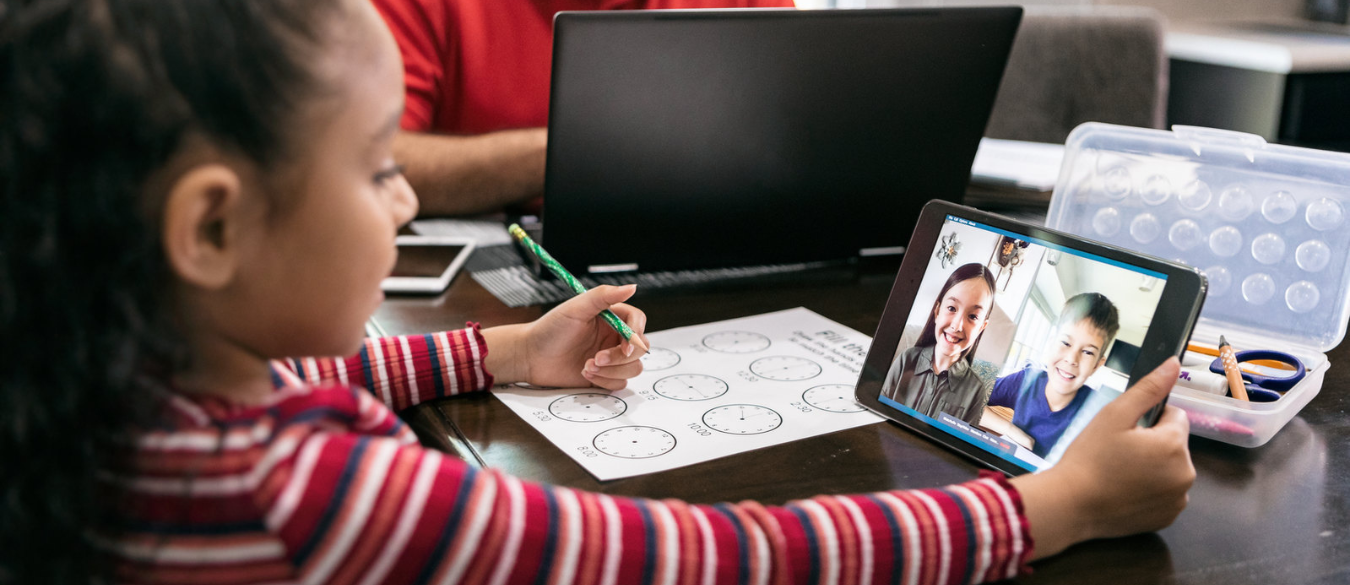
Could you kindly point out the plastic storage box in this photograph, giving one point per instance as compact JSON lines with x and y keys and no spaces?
{"x":1266,"y":223}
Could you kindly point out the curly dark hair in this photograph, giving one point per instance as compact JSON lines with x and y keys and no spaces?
{"x":96,"y":97}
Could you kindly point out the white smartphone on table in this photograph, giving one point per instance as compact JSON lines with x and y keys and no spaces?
{"x":427,"y":264}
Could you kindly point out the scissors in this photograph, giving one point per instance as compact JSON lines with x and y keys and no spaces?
{"x":1265,"y":388}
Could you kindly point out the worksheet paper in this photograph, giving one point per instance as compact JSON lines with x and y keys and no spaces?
{"x":708,"y":391}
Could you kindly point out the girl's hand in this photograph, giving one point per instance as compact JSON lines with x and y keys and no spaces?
{"x":571,"y":346}
{"x":1117,"y":478}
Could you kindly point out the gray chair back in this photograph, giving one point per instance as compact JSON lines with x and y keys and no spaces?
{"x":1071,"y":65}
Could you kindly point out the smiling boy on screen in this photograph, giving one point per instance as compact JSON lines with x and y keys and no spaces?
{"x":1044,"y":401}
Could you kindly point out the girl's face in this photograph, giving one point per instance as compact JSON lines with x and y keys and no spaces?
{"x":312,"y":273}
{"x":960,"y":316}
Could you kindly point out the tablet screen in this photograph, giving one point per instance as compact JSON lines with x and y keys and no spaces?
{"x":1014,"y":342}
{"x":425,"y":260}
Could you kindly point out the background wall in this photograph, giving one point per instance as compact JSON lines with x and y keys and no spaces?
{"x":1215,"y":9}
{"x":1176,"y":10}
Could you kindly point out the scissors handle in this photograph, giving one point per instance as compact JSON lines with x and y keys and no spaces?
{"x":1276,"y":383}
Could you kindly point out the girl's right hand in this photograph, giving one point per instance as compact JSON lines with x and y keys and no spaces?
{"x":1117,"y":478}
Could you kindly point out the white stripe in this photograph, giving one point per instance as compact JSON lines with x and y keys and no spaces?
{"x":340,"y":365}
{"x":569,"y":520}
{"x":359,"y":506}
{"x":190,"y":409}
{"x":214,"y":553}
{"x":377,"y":364}
{"x":760,"y":546}
{"x":447,"y":363}
{"x":223,"y":485}
{"x":312,"y":370}
{"x":864,"y":535}
{"x":828,"y":540}
{"x":516,"y":495}
{"x":981,"y":518}
{"x":287,"y":375}
{"x":613,"y":540}
{"x":944,"y":538}
{"x":910,"y":524}
{"x":474,"y":352}
{"x":208,"y":441}
{"x":407,"y":519}
{"x":290,"y":495}
{"x":409,"y":374}
{"x":709,"y":545}
{"x":1014,"y":526}
{"x":671,"y":548}
{"x":468,"y":536}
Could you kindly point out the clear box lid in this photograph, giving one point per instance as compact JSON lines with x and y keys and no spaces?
{"x":1266,"y":223}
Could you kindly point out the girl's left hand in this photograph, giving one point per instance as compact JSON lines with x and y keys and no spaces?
{"x":572,"y":346}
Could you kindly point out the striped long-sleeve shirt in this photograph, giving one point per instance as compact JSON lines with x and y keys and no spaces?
{"x":324,"y":484}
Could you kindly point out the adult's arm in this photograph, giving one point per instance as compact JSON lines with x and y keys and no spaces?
{"x":458,"y":175}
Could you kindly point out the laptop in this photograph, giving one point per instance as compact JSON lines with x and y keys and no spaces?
{"x":713,"y":138}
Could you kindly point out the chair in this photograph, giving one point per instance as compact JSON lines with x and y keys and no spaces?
{"x":1077,"y":64}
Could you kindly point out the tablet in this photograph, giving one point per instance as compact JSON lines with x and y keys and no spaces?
{"x":1001,"y":340}
{"x":426,"y":264}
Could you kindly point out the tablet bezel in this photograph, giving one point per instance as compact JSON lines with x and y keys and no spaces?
{"x":1175,"y":317}
{"x":429,"y":284}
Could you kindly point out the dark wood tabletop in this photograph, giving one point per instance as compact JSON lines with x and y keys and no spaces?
{"x":1279,"y":513}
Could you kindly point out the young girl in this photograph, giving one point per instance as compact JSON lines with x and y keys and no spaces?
{"x":192,"y":190}
{"x":935,"y":376}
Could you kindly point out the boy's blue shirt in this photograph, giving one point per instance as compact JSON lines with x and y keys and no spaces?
{"x":1024,"y":392}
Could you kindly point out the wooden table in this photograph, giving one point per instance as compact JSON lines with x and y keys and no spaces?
{"x":1276,"y":514}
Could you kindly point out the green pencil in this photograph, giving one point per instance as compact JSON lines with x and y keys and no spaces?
{"x":576,"y":286}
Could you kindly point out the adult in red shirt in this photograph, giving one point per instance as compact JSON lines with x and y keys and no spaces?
{"x":477,"y":76}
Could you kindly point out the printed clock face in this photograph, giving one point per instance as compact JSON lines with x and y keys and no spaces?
{"x":690,"y":387}
{"x":659,"y":358}
{"x":832,"y":398}
{"x":785,"y":368}
{"x":634,"y":442}
{"x":589,"y":407}
{"x":742,"y":419}
{"x":736,"y":342}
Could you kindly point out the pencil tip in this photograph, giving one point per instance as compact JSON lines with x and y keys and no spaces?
{"x":637,"y":341}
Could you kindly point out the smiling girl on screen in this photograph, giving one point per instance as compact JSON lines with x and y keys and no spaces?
{"x":936,"y":375}
{"x":193,"y":191}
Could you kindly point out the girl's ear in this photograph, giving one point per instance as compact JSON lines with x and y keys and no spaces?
{"x":201,"y":226}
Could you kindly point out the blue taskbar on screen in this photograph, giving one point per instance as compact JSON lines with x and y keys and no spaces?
{"x":960,"y":429}
{"x":1052,"y":246}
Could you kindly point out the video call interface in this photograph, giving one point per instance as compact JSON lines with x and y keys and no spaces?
{"x":1014,"y":343}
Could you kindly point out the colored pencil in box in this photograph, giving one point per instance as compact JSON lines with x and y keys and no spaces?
{"x":557,"y":269}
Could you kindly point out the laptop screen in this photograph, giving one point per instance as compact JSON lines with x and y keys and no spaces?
{"x":699,"y":139}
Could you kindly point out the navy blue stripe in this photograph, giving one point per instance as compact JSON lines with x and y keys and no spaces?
{"x":277,"y":382}
{"x":970,"y":535}
{"x":369,"y":382}
{"x":439,"y":384}
{"x":649,"y":533}
{"x":812,"y":543}
{"x":897,"y":539}
{"x":550,"y":541}
{"x":451,"y":524}
{"x":334,"y":504}
{"x":742,"y":542}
